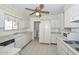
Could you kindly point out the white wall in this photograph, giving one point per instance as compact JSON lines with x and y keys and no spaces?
{"x":56,"y":21}
{"x":11,"y":10}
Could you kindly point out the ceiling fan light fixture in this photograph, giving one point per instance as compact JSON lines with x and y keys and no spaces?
{"x":37,"y":13}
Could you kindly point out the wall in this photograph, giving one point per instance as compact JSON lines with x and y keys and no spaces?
{"x":11,"y":10}
{"x":56,"y":21}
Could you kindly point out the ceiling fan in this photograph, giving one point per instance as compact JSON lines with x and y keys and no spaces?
{"x":38,"y":10}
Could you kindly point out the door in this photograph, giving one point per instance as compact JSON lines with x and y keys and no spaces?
{"x":36,"y":29}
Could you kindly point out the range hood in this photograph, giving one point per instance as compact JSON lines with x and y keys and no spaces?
{"x":75,"y":19}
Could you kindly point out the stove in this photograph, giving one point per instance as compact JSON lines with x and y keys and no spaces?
{"x":73,"y":44}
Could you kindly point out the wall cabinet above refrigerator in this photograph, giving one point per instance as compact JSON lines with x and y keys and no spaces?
{"x":69,"y":14}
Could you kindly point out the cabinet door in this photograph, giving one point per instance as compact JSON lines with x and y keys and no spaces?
{"x":75,"y":12}
{"x":1,"y":20}
{"x":19,"y":43}
{"x":70,"y":13}
{"x":61,"y":50}
{"x":53,"y":38}
{"x":68,"y":17}
{"x":70,"y":52}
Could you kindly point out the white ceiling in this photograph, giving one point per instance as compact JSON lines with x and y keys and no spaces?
{"x":52,"y":8}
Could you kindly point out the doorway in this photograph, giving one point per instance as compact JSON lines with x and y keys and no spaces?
{"x":36,"y":30}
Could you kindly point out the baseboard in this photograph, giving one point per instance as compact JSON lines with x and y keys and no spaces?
{"x":45,"y":43}
{"x":26,"y":44}
{"x":54,"y":43}
{"x":49,"y":43}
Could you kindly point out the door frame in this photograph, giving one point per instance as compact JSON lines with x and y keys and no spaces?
{"x":32,"y":25}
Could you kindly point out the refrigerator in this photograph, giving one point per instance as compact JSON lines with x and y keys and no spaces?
{"x":44,"y":31}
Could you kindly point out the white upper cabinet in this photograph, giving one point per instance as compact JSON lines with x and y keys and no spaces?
{"x":75,"y":11}
{"x":69,"y":14}
{"x":55,"y":22}
{"x":1,"y":21}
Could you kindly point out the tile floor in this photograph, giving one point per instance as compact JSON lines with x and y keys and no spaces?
{"x":35,"y":48}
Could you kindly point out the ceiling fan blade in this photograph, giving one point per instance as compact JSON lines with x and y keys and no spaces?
{"x":32,"y":13}
{"x":29,"y":9}
{"x":45,"y":12}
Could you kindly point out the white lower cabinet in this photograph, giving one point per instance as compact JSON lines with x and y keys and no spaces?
{"x":22,"y":40}
{"x":62,"y":49}
{"x":53,"y":37}
{"x":20,"y":43}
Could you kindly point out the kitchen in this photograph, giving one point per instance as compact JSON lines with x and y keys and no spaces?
{"x":57,"y":35}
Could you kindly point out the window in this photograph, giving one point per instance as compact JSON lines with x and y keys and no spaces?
{"x":10,"y":23}
{"x":14,"y":23}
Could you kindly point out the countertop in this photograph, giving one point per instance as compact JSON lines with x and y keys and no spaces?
{"x":4,"y":36}
{"x":11,"y":32}
{"x":61,"y":38}
{"x":9,"y":50}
